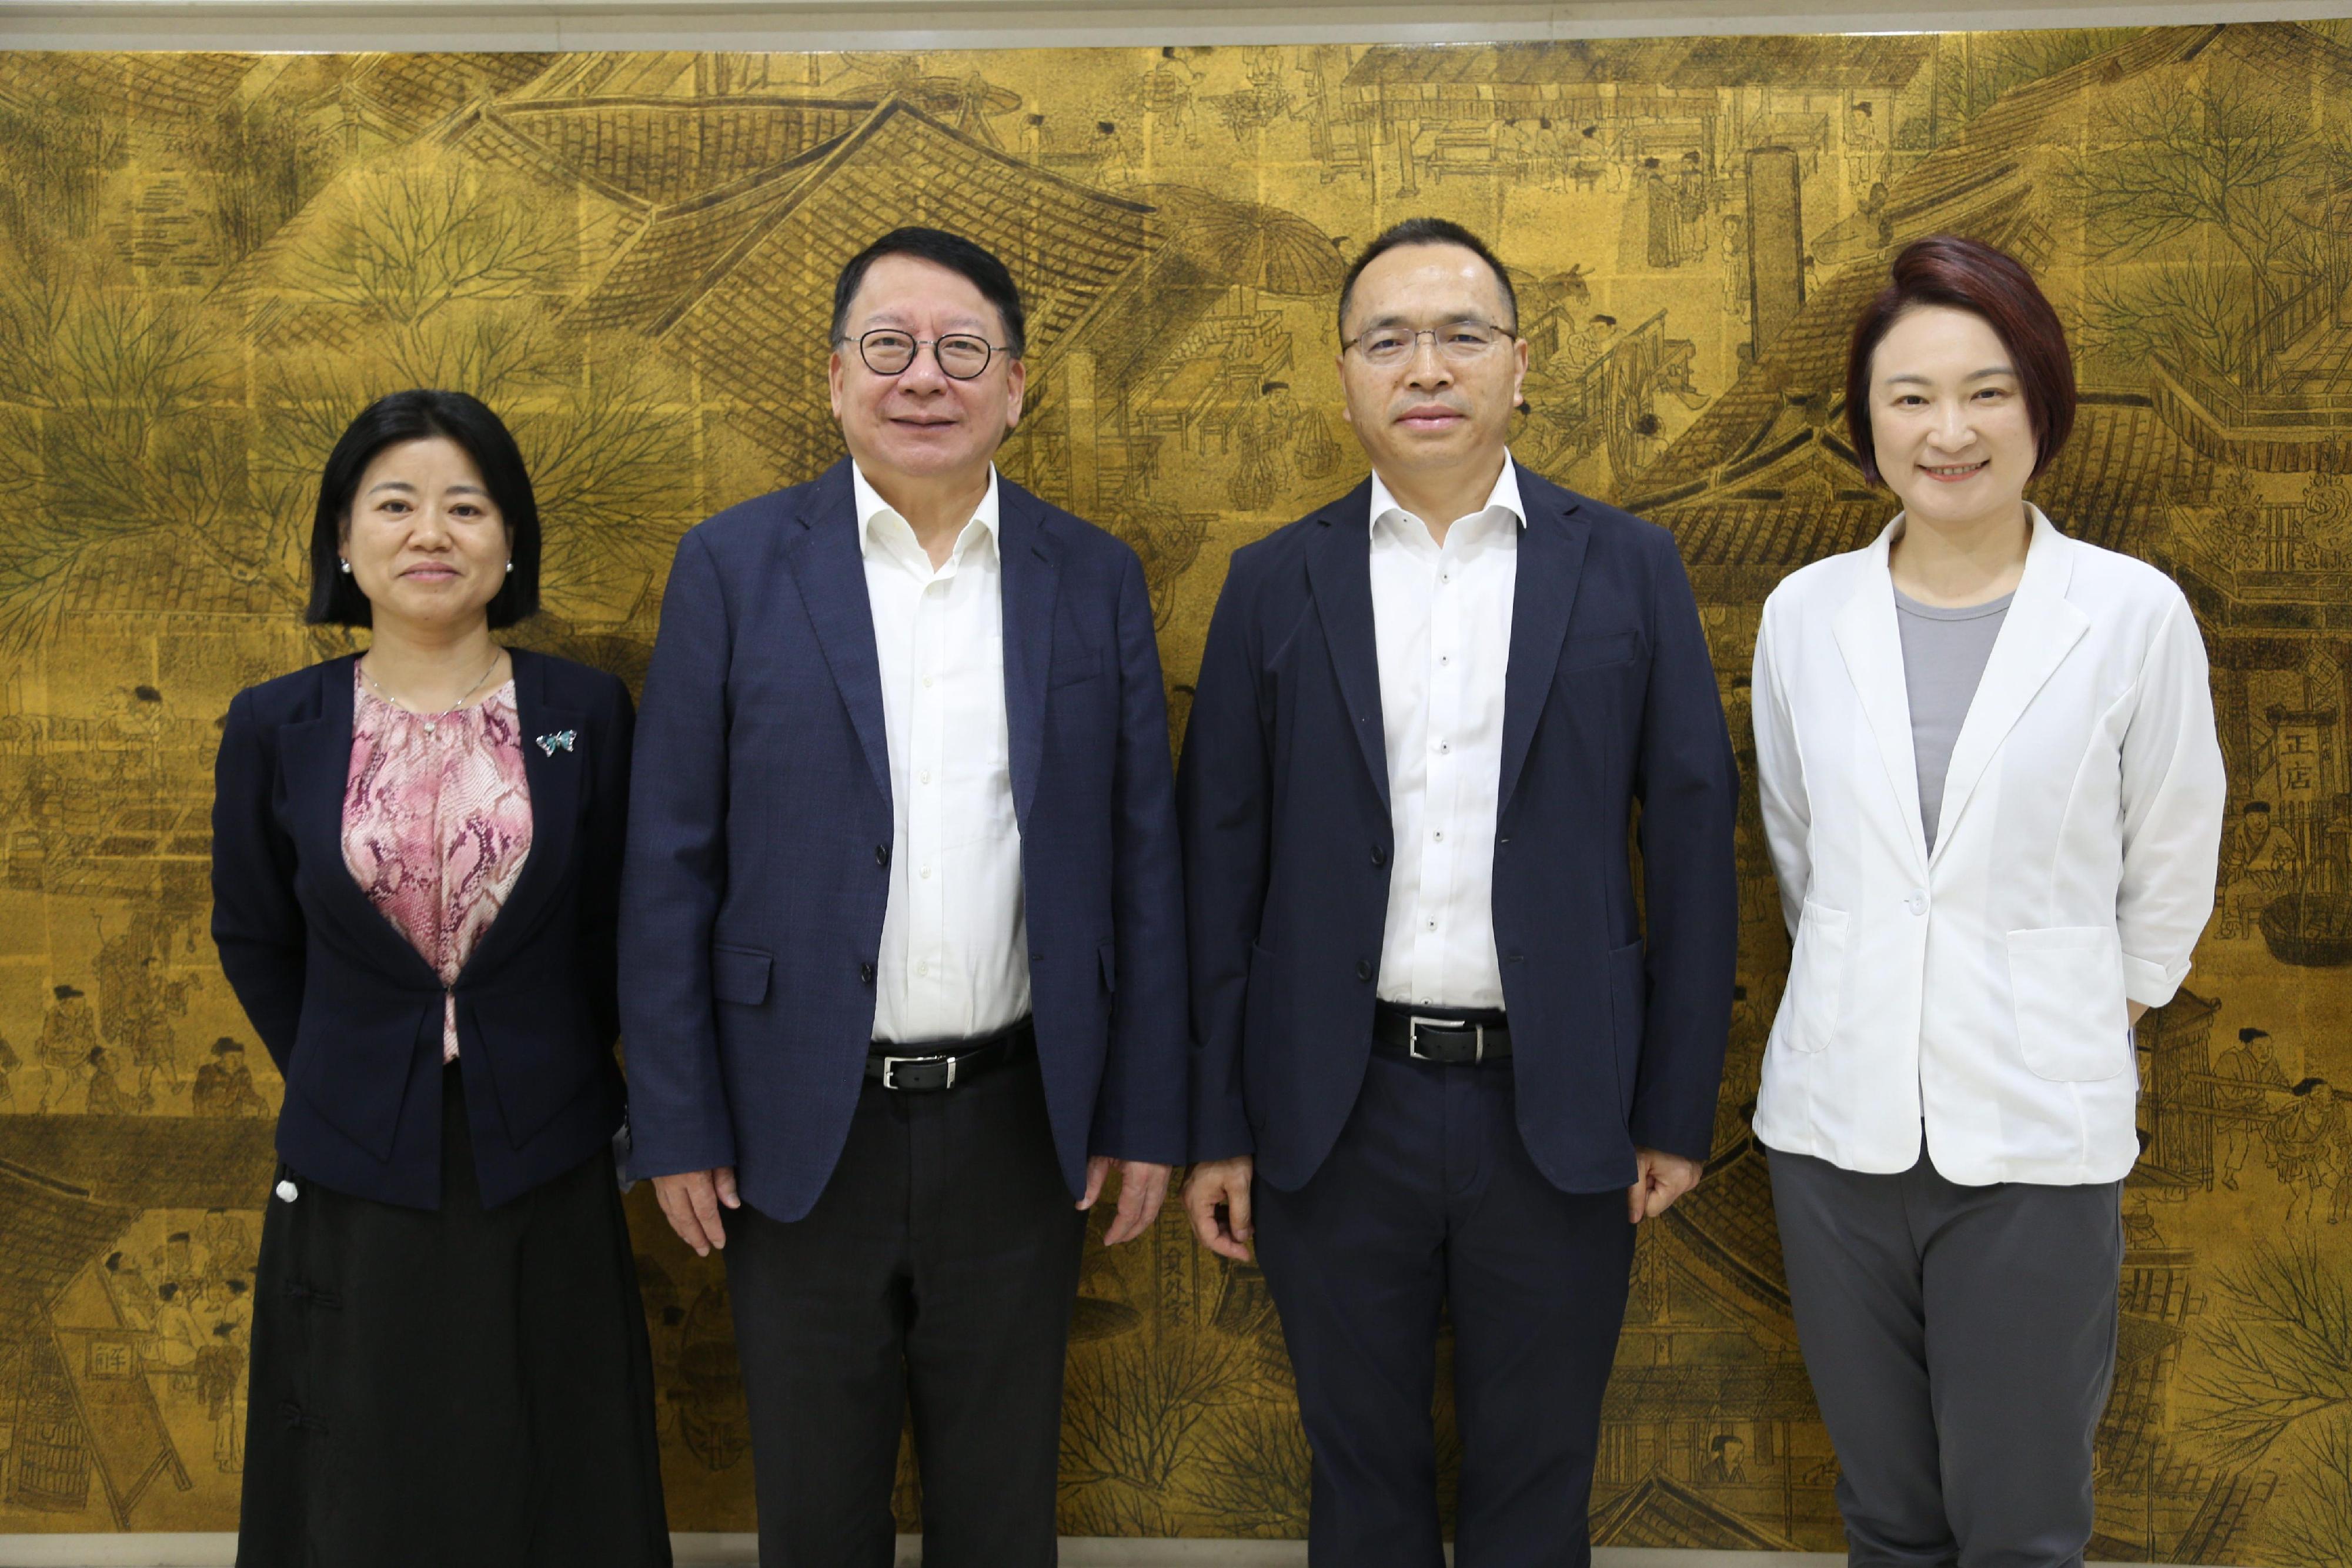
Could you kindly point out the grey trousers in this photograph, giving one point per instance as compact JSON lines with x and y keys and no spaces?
{"x":1962,"y":1342}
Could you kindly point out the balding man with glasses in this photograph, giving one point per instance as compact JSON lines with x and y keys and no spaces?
{"x":1446,"y":1056}
{"x":902,"y":946}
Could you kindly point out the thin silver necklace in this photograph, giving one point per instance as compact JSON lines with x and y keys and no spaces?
{"x":430,"y":723}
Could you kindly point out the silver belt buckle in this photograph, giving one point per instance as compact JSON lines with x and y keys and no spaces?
{"x":890,"y":1065}
{"x":1477,"y":1034}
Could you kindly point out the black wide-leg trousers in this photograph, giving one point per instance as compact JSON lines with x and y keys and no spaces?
{"x":1430,"y":1200}
{"x":938,"y":1270}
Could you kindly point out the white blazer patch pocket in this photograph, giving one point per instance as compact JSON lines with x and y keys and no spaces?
{"x":2068,"y":982}
{"x":1817,"y":973}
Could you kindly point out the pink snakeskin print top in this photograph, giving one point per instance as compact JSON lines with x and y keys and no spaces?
{"x":436,"y":823}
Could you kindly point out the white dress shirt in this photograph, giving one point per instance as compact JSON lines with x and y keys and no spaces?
{"x":1441,"y":622}
{"x":1982,"y":986}
{"x":954,"y":961}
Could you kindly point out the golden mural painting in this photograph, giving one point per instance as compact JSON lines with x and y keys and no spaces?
{"x":208,"y":262}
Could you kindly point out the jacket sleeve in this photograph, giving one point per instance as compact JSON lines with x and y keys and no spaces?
{"x":1224,"y":801}
{"x":1139,"y":1111}
{"x":600,"y":890}
{"x":1780,"y":779}
{"x":674,"y":874}
{"x":2174,"y":791}
{"x":1689,"y":788}
{"x":257,"y":924}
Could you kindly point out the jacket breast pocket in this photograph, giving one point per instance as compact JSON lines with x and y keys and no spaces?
{"x":2067,"y":985}
{"x":739,"y":975}
{"x":1071,"y":665}
{"x":1817,"y":978}
{"x":1600,"y":651}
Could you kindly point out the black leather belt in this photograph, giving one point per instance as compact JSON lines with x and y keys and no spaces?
{"x":928,"y":1067}
{"x":1447,"y":1037}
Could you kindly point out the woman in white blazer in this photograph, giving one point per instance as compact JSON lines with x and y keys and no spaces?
{"x":1993,"y":796}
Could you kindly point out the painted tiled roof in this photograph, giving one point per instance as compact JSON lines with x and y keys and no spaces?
{"x":1661,"y":1511}
{"x":665,"y":151}
{"x":1826,"y":62}
{"x":416,"y":91}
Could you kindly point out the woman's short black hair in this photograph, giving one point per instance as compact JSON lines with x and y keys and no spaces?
{"x":418,"y":415}
{"x":958,"y":255}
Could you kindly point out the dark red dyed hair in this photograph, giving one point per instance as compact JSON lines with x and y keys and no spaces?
{"x":1969,"y":275}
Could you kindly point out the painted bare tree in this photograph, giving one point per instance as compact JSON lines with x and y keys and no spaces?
{"x":402,"y":241}
{"x":118,"y":420}
{"x":2202,"y":189}
{"x":2280,"y":1387}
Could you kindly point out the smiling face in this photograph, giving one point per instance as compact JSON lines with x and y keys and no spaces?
{"x":921,"y":424}
{"x":1948,"y":418}
{"x":1431,"y":415}
{"x":426,"y":543}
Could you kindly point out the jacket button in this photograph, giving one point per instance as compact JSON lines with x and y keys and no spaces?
{"x":866,"y":973}
{"x":881,"y":854}
{"x":1363,"y":969}
{"x":1379,"y":855}
{"x":1917,"y":904}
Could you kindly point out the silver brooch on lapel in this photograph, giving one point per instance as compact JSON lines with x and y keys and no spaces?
{"x":562,"y":737}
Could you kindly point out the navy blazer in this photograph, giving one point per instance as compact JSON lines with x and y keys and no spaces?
{"x":352,"y":1014}
{"x":1609,"y":704}
{"x":761,"y":827}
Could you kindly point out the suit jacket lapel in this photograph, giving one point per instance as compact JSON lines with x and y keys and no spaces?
{"x":1031,"y":562}
{"x":314,"y":759}
{"x":1543,"y":594}
{"x":553,"y":772}
{"x":1339,"y":573}
{"x":826,"y":563}
{"x":1872,"y":645}
{"x":2040,"y":628}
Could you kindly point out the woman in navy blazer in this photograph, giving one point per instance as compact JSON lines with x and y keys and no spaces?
{"x":417,"y":859}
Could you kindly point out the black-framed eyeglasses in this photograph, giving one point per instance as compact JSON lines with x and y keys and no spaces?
{"x":1458,"y":342}
{"x":889,"y":352}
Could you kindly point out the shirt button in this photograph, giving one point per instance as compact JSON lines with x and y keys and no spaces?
{"x":1439,"y":835}
{"x":927,"y":682}
{"x":927,"y":871}
{"x":926,"y":776}
{"x":1432,"y":925}
{"x":1445,"y":748}
{"x":1444,"y":658}
{"x":922,"y":969}
{"x":1917,"y":903}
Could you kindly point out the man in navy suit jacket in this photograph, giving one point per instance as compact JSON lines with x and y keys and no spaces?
{"x":902,"y":946}
{"x":1436,"y":1063}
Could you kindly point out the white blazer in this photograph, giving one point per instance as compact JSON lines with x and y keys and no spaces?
{"x":1981,"y":989}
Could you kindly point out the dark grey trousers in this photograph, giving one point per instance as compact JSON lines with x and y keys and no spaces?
{"x":1961,"y":1340}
